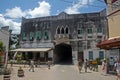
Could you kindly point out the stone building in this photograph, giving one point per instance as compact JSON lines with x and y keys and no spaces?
{"x":64,"y":38}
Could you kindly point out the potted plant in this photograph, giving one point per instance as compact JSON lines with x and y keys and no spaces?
{"x":20,"y":72}
{"x":6,"y":74}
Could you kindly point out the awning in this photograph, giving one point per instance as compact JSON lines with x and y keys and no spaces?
{"x":32,"y":49}
{"x":110,"y":43}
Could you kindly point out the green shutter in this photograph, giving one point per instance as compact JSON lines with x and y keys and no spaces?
{"x":99,"y":30}
{"x":31,"y":36}
{"x":89,"y":31}
{"x":24,"y":36}
{"x":46,"y":35}
{"x":38,"y":35}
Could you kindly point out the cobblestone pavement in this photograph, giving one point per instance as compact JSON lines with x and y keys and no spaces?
{"x":59,"y":72}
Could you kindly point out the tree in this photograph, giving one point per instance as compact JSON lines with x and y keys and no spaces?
{"x":1,"y":46}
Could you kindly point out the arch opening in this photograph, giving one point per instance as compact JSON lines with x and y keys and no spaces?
{"x":63,"y":54}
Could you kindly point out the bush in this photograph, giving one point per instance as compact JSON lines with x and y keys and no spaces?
{"x":98,"y":61}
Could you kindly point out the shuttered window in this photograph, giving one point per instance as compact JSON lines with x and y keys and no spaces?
{"x":24,"y":37}
{"x":31,"y":36}
{"x":38,"y":35}
{"x":90,"y":55}
{"x":46,"y":35}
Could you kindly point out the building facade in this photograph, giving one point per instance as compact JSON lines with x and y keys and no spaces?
{"x":112,"y":44}
{"x":70,"y":36}
{"x":4,"y":37}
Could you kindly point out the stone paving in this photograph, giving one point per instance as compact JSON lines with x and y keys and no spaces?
{"x":59,"y":72}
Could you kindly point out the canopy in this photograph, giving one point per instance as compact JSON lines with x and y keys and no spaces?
{"x":110,"y":43}
{"x":32,"y":49}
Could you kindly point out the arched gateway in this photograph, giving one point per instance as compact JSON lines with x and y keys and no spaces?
{"x":63,"y":54}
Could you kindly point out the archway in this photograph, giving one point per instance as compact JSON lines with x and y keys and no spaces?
{"x":63,"y":54}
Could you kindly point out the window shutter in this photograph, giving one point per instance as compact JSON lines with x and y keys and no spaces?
{"x":38,"y":35}
{"x":24,"y":37}
{"x":31,"y":36}
{"x":46,"y":35}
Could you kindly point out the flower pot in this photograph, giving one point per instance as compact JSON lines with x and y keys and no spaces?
{"x":20,"y":73}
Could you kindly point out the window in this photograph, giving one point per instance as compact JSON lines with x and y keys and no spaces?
{"x":101,"y":54}
{"x":58,"y":31}
{"x":66,"y":30}
{"x":90,"y":55}
{"x":89,"y":44}
{"x":89,"y":36}
{"x":80,"y":31}
{"x":42,"y":55}
{"x":89,"y":30}
{"x":46,"y":35}
{"x":62,"y":31}
{"x":24,"y":37}
{"x":99,"y":30}
{"x":38,"y":35}
{"x":31,"y":36}
{"x":99,"y":37}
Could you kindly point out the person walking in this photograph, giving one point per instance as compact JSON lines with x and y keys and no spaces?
{"x":31,"y":66}
{"x":117,"y":68}
{"x":49,"y":63}
{"x":104,"y":67}
{"x":80,"y":64}
{"x":86,"y":65}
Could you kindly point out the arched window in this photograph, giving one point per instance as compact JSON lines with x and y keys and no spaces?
{"x":58,"y":31}
{"x":62,"y":31}
{"x":66,"y":30}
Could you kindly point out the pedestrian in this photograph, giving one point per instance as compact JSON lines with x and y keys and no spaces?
{"x":117,"y":66}
{"x":104,"y":67}
{"x":80,"y":64}
{"x":39,"y":62}
{"x":86,"y":65}
{"x":31,"y":65}
{"x":49,"y":63}
{"x":117,"y":69}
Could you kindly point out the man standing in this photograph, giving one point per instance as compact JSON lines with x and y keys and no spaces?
{"x":80,"y":64}
{"x":49,"y":63}
{"x":31,"y":65}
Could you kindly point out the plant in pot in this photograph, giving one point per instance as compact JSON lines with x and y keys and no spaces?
{"x":20,"y":72}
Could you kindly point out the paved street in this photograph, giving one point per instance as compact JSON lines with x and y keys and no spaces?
{"x":60,"y":72}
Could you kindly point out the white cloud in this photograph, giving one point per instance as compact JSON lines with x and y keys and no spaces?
{"x":42,"y":10}
{"x":74,"y":9}
{"x":8,"y":19}
{"x":15,"y":12}
{"x":15,"y":26}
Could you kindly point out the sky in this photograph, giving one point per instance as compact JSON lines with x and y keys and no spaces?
{"x":11,"y":11}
